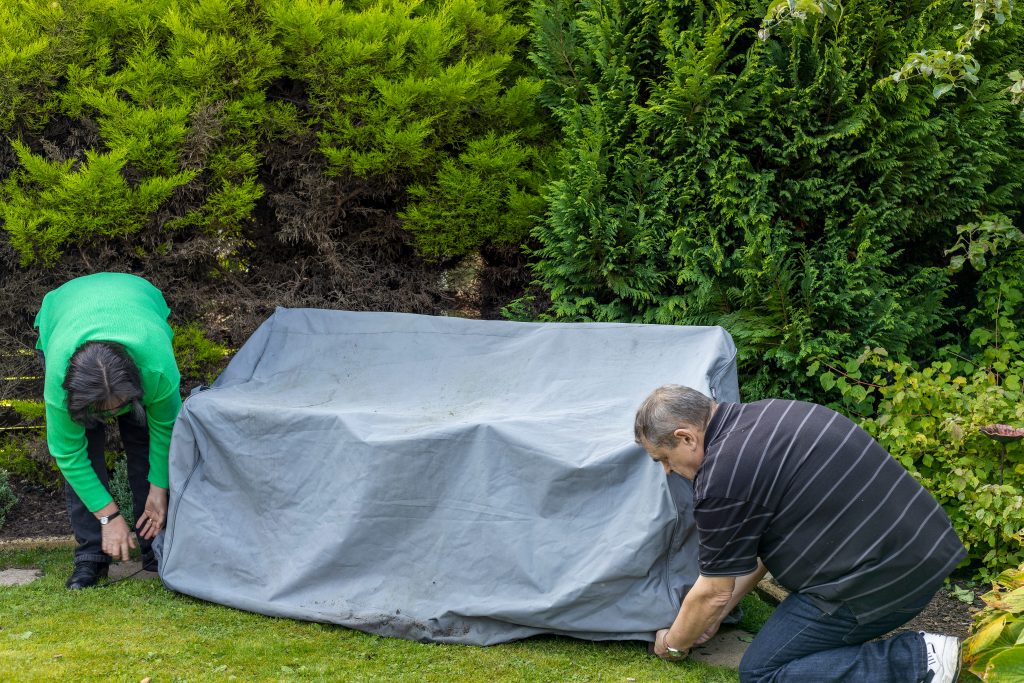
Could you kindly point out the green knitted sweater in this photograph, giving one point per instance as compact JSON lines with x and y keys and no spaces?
{"x":114,"y":307}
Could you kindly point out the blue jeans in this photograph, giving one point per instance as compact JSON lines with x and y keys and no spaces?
{"x":801,"y":642}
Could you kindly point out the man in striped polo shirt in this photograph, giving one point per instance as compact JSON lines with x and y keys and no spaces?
{"x":799,"y":490}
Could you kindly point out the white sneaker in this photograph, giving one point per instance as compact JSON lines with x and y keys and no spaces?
{"x":943,"y":657}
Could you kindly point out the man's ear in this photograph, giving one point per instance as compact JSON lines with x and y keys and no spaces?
{"x":686,"y":435}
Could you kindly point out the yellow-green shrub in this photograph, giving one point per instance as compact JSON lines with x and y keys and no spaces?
{"x":995,"y":650}
{"x":186,"y":122}
{"x":197,"y":355}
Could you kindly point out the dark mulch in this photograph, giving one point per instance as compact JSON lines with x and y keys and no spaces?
{"x":40,"y":512}
{"x":946,"y":615}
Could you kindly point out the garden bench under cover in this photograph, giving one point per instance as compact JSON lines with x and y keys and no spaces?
{"x":439,"y":479}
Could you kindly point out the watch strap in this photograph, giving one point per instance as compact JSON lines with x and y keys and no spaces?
{"x":113,"y":515}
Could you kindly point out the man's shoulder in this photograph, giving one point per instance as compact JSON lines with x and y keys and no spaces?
{"x":765,"y":414}
{"x":774,"y":413}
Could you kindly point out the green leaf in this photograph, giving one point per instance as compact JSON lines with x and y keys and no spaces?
{"x":831,"y":10}
{"x":828,"y":380}
{"x":1012,"y":602}
{"x":1007,"y":666}
{"x":941,"y":89}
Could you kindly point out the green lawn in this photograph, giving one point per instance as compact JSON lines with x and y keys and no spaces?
{"x":138,"y":629}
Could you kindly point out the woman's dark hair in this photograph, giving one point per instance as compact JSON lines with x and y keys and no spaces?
{"x":100,"y":372}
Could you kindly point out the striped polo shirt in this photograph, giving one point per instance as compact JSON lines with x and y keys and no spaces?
{"x":826,"y":508}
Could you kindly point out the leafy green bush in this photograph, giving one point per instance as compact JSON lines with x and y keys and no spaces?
{"x":39,"y":39}
{"x":7,"y":498}
{"x":23,"y":450}
{"x":487,"y":196}
{"x":185,"y":122}
{"x":53,"y":204}
{"x":28,"y":410}
{"x":787,"y":189}
{"x":197,"y":355}
{"x":423,"y":105}
{"x":29,"y":458}
{"x":930,"y":418}
{"x":995,"y":651}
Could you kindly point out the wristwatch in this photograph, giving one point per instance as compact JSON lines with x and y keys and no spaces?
{"x":677,"y":654}
{"x":117,"y":513}
{"x":674,"y":652}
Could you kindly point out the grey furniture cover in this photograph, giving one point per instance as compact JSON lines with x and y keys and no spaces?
{"x":439,"y":479}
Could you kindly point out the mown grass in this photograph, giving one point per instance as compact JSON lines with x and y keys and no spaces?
{"x":132,"y":630}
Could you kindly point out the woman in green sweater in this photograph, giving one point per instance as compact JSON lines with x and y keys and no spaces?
{"x":107,"y":354}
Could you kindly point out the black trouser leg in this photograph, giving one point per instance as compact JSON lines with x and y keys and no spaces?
{"x":136,"y":445}
{"x":83,"y":523}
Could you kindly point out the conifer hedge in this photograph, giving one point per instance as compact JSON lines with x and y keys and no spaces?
{"x":207,"y":130}
{"x":784,"y":186}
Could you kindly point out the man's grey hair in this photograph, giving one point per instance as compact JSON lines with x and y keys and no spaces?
{"x":667,"y":408}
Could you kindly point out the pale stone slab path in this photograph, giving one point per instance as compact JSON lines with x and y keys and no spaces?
{"x":725,"y":649}
{"x":18,"y":577}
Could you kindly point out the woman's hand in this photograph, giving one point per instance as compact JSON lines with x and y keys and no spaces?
{"x":117,"y":539}
{"x":152,"y":520}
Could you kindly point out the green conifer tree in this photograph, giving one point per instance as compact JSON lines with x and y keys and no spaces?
{"x":787,"y":189}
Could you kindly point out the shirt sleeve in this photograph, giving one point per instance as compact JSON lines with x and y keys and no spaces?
{"x":67,"y":443}
{"x":161,"y":413}
{"x":730,"y":532}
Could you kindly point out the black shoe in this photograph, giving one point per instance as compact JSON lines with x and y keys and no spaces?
{"x":149,"y":562}
{"x":86,"y":574}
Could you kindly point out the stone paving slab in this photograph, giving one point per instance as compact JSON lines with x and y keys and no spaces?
{"x":130,"y":570}
{"x":725,"y":649}
{"x":18,"y":577}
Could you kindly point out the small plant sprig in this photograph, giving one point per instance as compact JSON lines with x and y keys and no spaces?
{"x":1016,"y":90}
{"x":988,"y":236}
{"x":7,"y":498}
{"x":959,"y":69}
{"x":782,"y":11}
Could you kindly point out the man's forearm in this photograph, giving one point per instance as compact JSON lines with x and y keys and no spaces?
{"x":745,"y":584}
{"x":704,"y":606}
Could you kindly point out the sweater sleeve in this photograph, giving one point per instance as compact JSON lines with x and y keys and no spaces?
{"x":68,"y":446}
{"x":160,"y":415}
